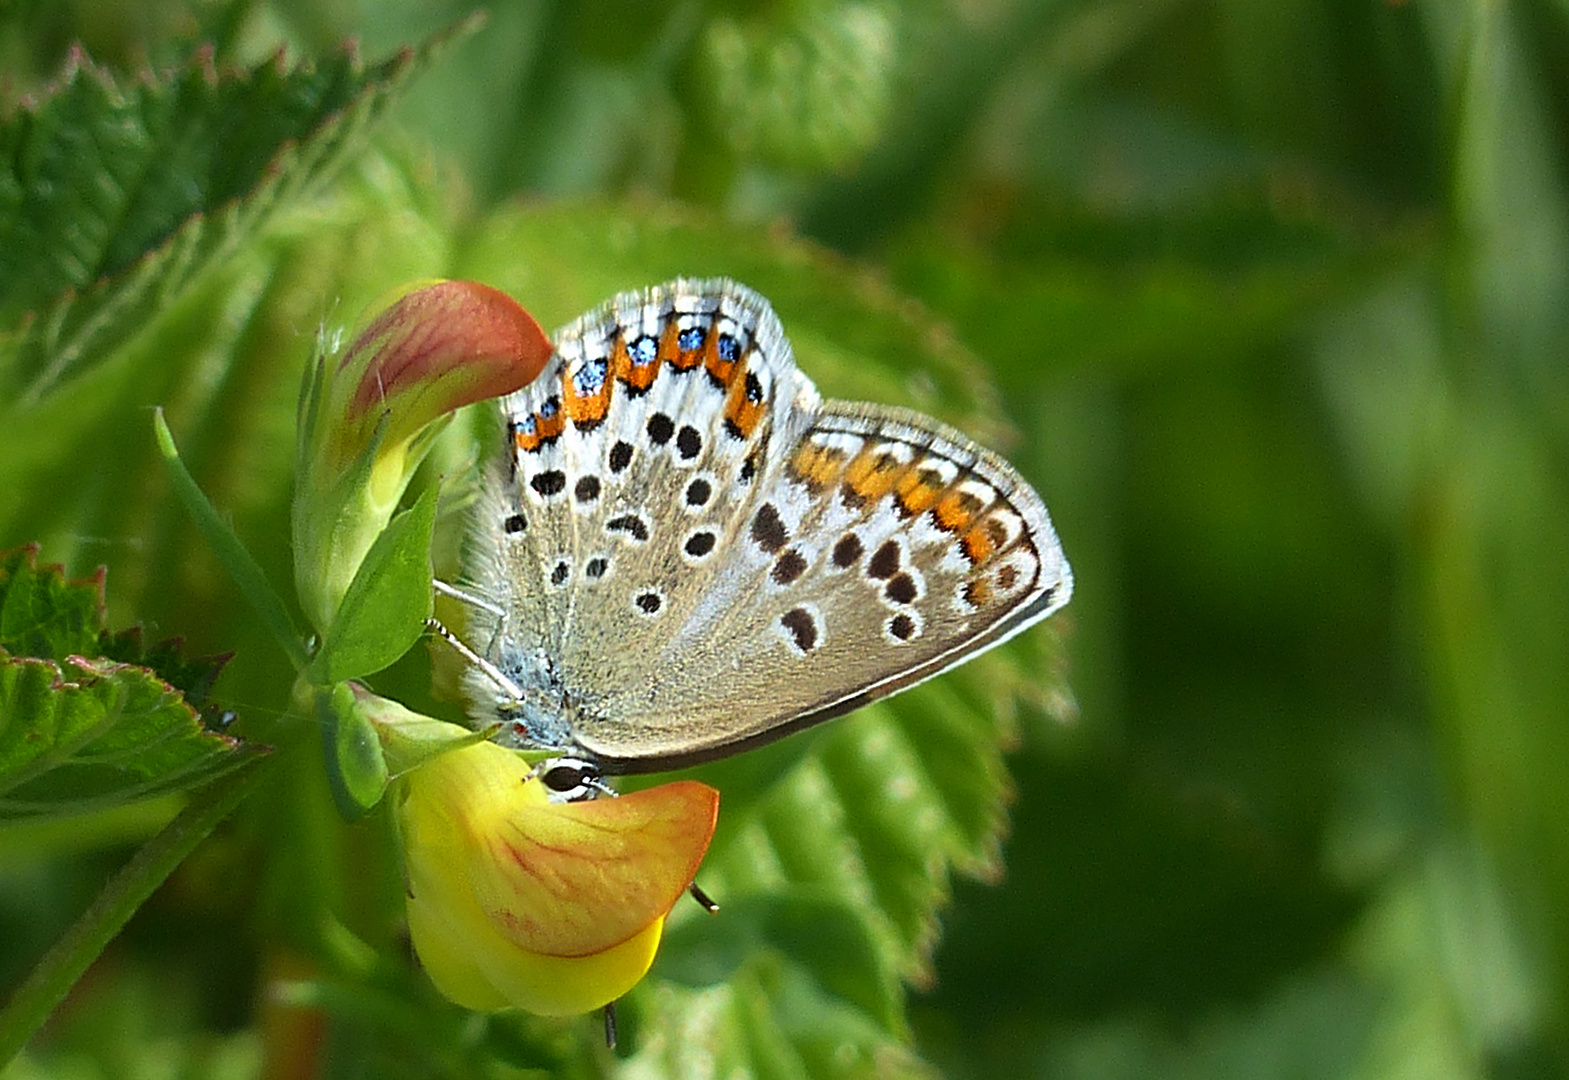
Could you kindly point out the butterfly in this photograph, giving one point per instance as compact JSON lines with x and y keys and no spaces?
{"x":683,"y":551}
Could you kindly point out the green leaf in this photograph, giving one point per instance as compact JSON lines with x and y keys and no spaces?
{"x":356,"y":767}
{"x":90,"y":734}
{"x":241,"y":566}
{"x":43,"y":615}
{"x":768,"y":1019}
{"x":192,"y":676}
{"x":820,"y":934}
{"x":117,"y":195}
{"x":384,"y":611}
{"x":79,"y":734}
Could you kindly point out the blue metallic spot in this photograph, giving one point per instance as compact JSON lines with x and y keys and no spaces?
{"x":729,"y":348}
{"x":643,"y":351}
{"x":549,"y":408}
{"x":528,"y":425}
{"x":590,"y":378}
{"x":691,"y":338}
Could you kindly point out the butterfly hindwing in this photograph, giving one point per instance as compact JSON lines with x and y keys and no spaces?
{"x":880,"y":553}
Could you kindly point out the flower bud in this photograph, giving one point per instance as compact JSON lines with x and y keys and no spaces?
{"x":369,"y":413}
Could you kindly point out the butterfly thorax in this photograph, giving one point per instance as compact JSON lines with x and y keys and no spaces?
{"x":544,"y":713}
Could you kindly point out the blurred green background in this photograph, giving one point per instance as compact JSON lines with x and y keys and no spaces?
{"x":1276,"y":295}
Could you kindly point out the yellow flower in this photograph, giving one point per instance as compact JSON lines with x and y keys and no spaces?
{"x":556,"y":908}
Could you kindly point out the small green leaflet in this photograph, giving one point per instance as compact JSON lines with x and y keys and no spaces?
{"x":80,"y":733}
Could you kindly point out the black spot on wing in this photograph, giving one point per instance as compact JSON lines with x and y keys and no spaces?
{"x":884,"y":562}
{"x":550,"y":482}
{"x":847,"y":551}
{"x":802,"y":628}
{"x":768,"y":529}
{"x":788,"y":567}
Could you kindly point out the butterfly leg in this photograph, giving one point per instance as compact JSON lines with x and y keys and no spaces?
{"x":477,"y":602}
{"x":710,"y":905}
{"x":491,"y":671}
{"x":467,"y":597}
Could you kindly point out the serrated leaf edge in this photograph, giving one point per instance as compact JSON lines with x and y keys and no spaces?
{"x":96,"y":671}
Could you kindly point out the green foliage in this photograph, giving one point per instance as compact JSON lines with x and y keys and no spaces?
{"x":84,"y":732}
{"x":120,"y":194}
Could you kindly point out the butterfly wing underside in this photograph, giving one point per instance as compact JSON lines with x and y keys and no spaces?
{"x":761,"y":561}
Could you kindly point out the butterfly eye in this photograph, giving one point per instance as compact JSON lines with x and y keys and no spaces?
{"x":571,"y":780}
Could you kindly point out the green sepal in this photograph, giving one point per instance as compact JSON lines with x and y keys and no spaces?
{"x":356,"y":767}
{"x":410,"y":739}
{"x":238,"y":562}
{"x":385,"y":608}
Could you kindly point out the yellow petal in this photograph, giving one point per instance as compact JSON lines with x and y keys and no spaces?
{"x":498,"y":975}
{"x":447,"y":949}
{"x":566,"y":986}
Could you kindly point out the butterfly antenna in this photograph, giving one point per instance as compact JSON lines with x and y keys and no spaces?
{"x":491,"y":671}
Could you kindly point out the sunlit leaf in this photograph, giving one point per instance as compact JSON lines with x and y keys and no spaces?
{"x":384,"y":611}
{"x":118,"y":195}
{"x":80,"y":733}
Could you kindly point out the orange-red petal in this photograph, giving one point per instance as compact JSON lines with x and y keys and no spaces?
{"x":570,"y":879}
{"x":438,"y":347}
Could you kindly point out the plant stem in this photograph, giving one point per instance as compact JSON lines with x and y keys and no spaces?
{"x":70,"y":956}
{"x":242,"y":568}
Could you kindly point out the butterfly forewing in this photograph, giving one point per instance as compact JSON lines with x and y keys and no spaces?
{"x":713,"y":556}
{"x":628,"y":458}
